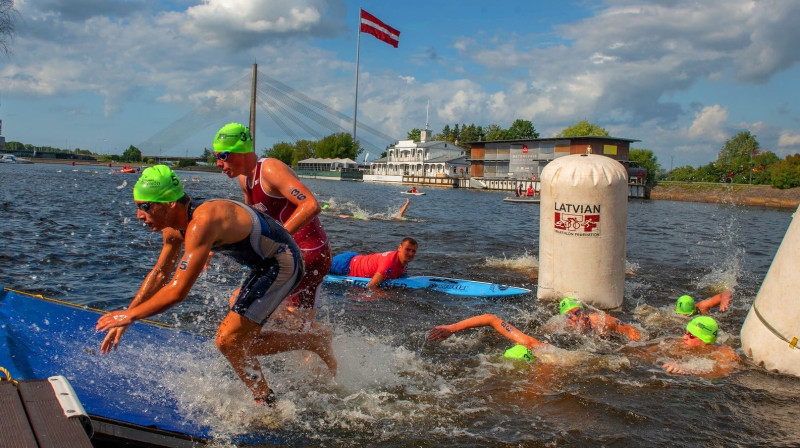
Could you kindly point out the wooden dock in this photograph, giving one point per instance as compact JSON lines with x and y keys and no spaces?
{"x":34,"y":417}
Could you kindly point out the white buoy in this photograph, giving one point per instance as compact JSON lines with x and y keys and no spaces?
{"x":584,"y":211}
{"x":771,"y":330}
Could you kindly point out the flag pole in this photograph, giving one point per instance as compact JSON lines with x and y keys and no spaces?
{"x":253,"y":88}
{"x":358,"y":51}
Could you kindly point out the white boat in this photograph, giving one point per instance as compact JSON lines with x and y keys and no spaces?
{"x":11,"y":158}
{"x":528,"y":199}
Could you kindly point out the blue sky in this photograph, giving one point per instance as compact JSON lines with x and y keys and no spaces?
{"x":681,"y":76}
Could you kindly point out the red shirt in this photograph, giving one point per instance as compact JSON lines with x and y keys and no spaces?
{"x":387,"y":263}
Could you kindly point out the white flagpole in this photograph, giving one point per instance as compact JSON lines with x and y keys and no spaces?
{"x":358,"y":51}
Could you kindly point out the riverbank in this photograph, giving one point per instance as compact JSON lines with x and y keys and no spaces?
{"x":738,"y":194}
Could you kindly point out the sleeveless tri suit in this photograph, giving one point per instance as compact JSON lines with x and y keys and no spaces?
{"x":274,"y":259}
{"x":312,"y":239}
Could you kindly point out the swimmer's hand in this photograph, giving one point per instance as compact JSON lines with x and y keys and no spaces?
{"x":674,"y":367}
{"x":113,"y":319}
{"x":724,"y":300}
{"x":111,"y":341}
{"x":439,"y":333}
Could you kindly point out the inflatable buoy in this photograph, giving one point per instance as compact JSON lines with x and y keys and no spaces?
{"x":583,"y":214}
{"x":771,"y":330}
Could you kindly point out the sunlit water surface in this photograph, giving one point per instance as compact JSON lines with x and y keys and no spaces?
{"x":71,"y":233}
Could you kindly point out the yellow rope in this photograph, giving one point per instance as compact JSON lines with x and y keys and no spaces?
{"x":39,"y":296}
{"x":8,"y":376}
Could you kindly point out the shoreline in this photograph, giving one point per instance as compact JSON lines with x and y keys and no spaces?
{"x":735,"y":194}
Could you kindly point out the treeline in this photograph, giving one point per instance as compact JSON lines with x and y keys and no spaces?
{"x":461,"y":135}
{"x":132,"y":154}
{"x":334,"y":146}
{"x":742,"y":161}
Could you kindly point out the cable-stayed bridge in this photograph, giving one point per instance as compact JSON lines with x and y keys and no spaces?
{"x":296,"y":114}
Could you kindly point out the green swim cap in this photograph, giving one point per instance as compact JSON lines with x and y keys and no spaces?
{"x":685,"y":305}
{"x":158,"y":184}
{"x":520,"y":352}
{"x":704,"y":327}
{"x":568,"y":304}
{"x":325,"y":206}
{"x":233,"y":137}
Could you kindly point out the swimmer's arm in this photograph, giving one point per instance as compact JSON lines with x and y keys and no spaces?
{"x":282,"y":178}
{"x":623,"y":328}
{"x":375,"y":283}
{"x":726,"y":361}
{"x":722,"y":299}
{"x":485,"y":320}
{"x":158,"y":277}
{"x":198,"y":243}
{"x":155,"y":280}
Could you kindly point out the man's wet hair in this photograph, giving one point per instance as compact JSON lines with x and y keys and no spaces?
{"x":409,"y":240}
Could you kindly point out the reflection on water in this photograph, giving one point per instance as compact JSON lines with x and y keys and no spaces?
{"x":71,"y":233}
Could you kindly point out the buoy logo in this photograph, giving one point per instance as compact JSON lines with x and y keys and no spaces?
{"x":578,"y":220}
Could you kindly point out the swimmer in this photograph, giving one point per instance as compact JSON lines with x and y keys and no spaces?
{"x":190,"y":230}
{"x":601,"y":323}
{"x":696,"y":353}
{"x":398,"y":216}
{"x":685,"y":304}
{"x":442,"y":332}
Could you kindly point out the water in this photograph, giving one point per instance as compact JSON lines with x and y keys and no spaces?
{"x":71,"y":234}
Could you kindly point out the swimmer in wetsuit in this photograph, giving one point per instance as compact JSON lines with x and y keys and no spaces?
{"x":190,"y":231}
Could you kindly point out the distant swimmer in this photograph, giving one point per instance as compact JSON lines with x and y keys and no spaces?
{"x":600,"y":323}
{"x":685,"y":304}
{"x":697,"y":353}
{"x":190,"y":231}
{"x":378,"y":266}
{"x":398,"y":216}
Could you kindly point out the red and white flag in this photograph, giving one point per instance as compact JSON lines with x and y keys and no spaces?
{"x":371,"y":25}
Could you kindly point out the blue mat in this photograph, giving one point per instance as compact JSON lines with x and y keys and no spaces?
{"x":42,"y":337}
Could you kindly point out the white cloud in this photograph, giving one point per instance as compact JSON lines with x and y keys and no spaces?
{"x":710,"y":124}
{"x":240,"y":24}
{"x":789,"y":139}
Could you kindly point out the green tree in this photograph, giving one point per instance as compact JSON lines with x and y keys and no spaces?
{"x":786,"y":173}
{"x":304,"y":149}
{"x":647,"y":160}
{"x":495,"y":132}
{"x":132,"y":154}
{"x":209,"y":157}
{"x":447,"y":135}
{"x":683,"y":174}
{"x":762,"y":166}
{"x":414,"y":134}
{"x":187,"y":162}
{"x":522,"y":129}
{"x":470,"y":133}
{"x":338,"y":146}
{"x":737,"y":154}
{"x":282,"y":151}
{"x":583,"y":129}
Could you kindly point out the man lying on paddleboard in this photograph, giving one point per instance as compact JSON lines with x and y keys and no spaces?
{"x":378,"y":266}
